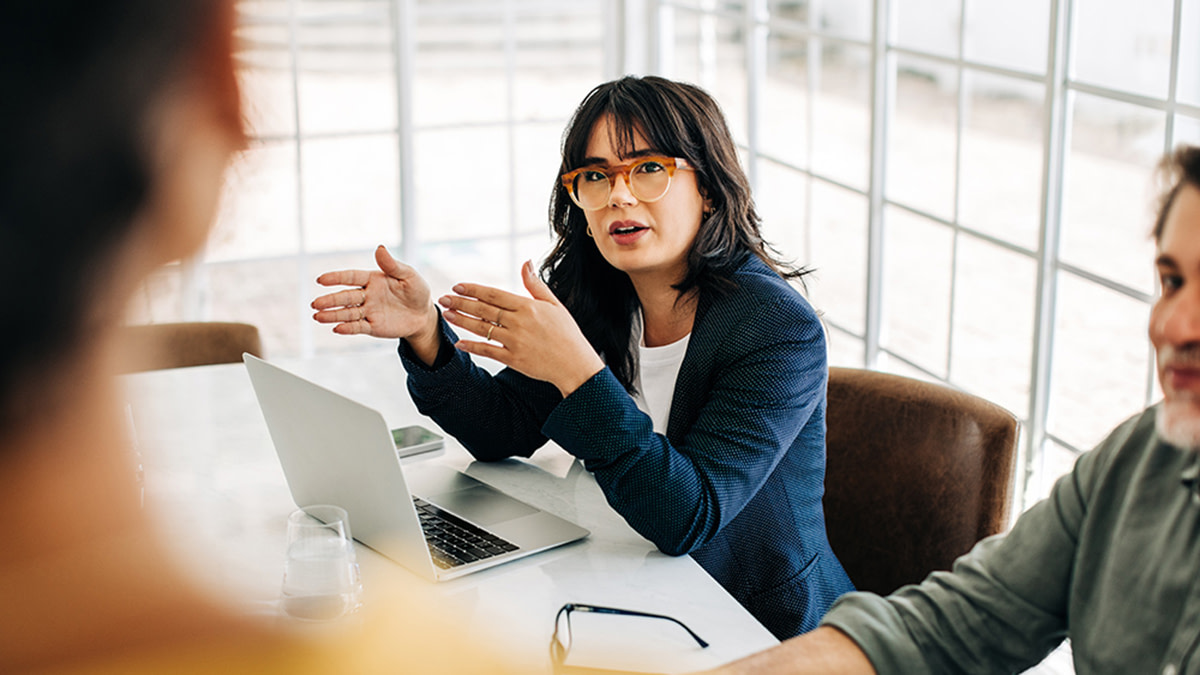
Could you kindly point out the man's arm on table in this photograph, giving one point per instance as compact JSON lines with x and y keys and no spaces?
{"x":1001,"y":610}
{"x":824,"y":650}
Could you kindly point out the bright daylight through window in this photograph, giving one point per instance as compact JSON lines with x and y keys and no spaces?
{"x":970,"y":179}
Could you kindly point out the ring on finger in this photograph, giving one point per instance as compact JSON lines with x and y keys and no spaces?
{"x":489,"y":333}
{"x":499,"y":313}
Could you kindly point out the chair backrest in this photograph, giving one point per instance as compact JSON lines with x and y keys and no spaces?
{"x":916,"y":474}
{"x":157,"y":346}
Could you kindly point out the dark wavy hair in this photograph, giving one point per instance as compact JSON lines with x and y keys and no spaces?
{"x":680,"y":120}
{"x":81,"y":81}
{"x":1177,"y":169}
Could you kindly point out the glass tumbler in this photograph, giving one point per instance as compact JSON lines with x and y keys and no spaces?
{"x":321,"y":579}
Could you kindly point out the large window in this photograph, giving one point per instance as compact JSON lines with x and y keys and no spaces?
{"x":971,"y":180}
{"x":431,"y":127}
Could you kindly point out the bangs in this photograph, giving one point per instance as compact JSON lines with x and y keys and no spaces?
{"x":633,"y":111}
{"x":654,"y":117}
{"x":624,"y":130}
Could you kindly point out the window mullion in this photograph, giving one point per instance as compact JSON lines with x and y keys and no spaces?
{"x":882,"y":96}
{"x":1055,"y":133}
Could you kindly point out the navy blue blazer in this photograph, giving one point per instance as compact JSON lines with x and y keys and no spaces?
{"x":738,"y":478}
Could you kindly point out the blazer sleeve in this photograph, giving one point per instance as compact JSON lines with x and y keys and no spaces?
{"x":493,"y":416}
{"x":768,"y":375}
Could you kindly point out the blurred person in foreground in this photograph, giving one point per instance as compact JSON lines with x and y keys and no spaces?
{"x":1108,"y":560}
{"x":119,"y":119}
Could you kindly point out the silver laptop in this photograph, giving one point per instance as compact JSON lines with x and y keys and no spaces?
{"x":337,"y":451}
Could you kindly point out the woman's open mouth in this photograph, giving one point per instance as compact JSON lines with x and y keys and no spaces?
{"x":626,"y":231}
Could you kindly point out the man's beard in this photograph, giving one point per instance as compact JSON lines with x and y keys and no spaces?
{"x":1178,"y":422}
{"x":1178,"y":418}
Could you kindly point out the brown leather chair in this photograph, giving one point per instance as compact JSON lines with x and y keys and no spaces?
{"x":157,"y":346}
{"x":916,"y":474}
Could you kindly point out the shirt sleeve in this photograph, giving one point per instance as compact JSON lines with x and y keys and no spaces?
{"x":768,"y":378}
{"x":493,"y":416}
{"x":1003,"y":608}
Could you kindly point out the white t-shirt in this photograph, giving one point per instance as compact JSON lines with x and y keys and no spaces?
{"x":658,"y":368}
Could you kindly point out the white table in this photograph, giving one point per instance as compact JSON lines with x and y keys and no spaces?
{"x":213,"y":480}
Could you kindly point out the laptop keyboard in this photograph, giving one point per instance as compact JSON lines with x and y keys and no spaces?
{"x":453,"y":541}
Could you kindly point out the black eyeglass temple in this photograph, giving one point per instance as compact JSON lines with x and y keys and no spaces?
{"x":570,"y":606}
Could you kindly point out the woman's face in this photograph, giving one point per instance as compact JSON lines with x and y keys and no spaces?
{"x":648,"y":241}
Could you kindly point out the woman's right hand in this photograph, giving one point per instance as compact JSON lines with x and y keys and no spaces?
{"x":394,"y":302}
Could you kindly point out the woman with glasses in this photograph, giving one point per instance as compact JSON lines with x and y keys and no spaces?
{"x":665,"y":349}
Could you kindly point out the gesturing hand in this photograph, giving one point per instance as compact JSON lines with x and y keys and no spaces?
{"x":535,"y":336}
{"x":393,"y":302}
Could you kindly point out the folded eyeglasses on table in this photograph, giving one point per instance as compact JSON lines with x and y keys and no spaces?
{"x":560,"y":641}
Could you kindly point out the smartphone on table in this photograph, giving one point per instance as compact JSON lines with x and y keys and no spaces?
{"x":416,"y":439}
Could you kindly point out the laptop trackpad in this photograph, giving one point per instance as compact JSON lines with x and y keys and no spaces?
{"x":482,"y":505}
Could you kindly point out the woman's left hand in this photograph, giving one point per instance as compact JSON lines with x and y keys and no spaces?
{"x":535,"y":336}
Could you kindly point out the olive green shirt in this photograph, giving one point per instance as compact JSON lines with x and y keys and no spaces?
{"x":1111,"y":560}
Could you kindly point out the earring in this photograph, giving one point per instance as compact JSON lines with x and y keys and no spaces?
{"x":589,"y":230}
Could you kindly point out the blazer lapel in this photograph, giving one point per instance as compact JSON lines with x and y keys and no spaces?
{"x":694,"y":373}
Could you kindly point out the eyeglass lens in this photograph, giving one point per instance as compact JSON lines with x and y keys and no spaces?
{"x":648,"y":181}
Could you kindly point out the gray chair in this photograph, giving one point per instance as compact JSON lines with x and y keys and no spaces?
{"x":158,"y":346}
{"x":916,"y":474}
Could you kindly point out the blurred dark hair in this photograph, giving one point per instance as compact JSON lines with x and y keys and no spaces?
{"x":1179,"y":168}
{"x":80,"y":82}
{"x":679,"y":120}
